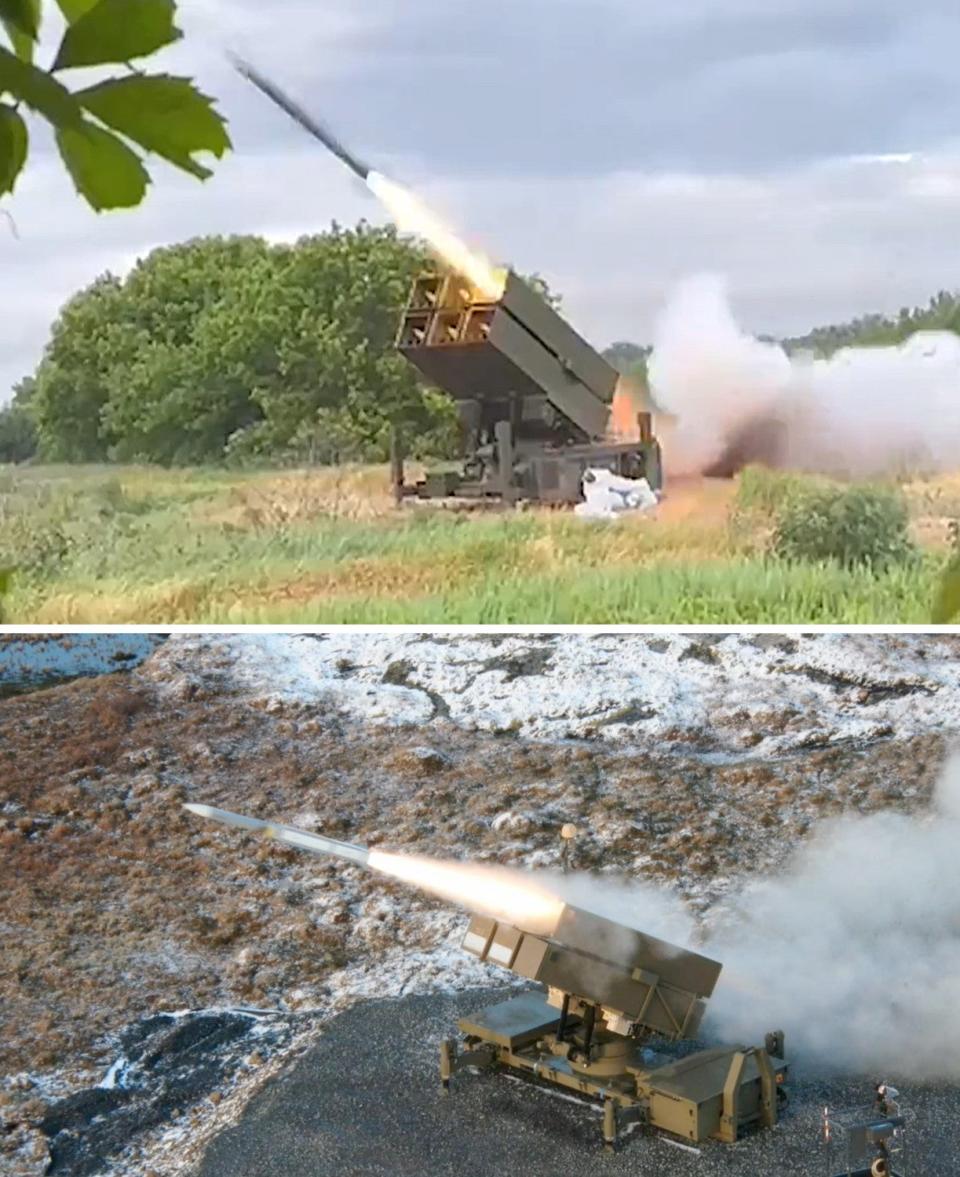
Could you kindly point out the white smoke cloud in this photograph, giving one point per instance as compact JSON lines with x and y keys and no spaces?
{"x":855,"y":949}
{"x":648,"y":909}
{"x":863,"y":411}
{"x":708,"y":373}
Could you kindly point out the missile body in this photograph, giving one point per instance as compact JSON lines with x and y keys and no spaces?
{"x":289,"y":835}
{"x":298,"y":114}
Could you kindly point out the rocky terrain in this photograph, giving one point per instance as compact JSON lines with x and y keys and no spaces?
{"x":692,"y":761}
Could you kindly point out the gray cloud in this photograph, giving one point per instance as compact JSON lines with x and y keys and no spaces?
{"x":583,"y":86}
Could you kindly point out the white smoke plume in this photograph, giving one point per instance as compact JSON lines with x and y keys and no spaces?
{"x":854,"y":950}
{"x":648,"y":909}
{"x":709,"y":374}
{"x":866,"y":411}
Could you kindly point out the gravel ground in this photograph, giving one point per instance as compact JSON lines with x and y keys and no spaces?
{"x":365,"y":1101}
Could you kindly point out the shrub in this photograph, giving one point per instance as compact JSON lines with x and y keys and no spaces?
{"x":854,"y":525}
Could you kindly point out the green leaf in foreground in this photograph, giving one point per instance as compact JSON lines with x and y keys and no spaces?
{"x":73,"y":9}
{"x":22,"y":42}
{"x":38,"y":90}
{"x":13,"y":147}
{"x":21,"y":19}
{"x":21,"y":14}
{"x":115,"y":31}
{"x":164,"y":114}
{"x":105,"y":171}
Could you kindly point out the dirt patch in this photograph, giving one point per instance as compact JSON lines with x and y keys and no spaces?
{"x":400,"y":674}
{"x":700,"y":499}
{"x":362,"y":577}
{"x":631,"y":713}
{"x":700,"y":651}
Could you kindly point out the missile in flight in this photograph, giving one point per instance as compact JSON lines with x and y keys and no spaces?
{"x":298,"y":114}
{"x":289,"y":835}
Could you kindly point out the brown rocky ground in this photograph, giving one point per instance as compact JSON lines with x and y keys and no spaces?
{"x":118,"y":904}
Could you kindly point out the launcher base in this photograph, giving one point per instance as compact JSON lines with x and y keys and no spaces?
{"x":718,"y":1093}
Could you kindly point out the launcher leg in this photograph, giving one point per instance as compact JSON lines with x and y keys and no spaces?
{"x":448,"y":1054}
{"x":396,"y":465}
{"x":610,"y":1125}
{"x":503,"y":435}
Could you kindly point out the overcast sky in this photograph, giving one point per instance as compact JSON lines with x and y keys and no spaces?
{"x":807,"y":149}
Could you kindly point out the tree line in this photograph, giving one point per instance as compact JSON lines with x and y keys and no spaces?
{"x":942,"y":313}
{"x":234,"y":349}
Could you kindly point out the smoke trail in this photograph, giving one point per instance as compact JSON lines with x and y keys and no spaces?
{"x":653,"y":910}
{"x":863,"y":411}
{"x":855,"y":949}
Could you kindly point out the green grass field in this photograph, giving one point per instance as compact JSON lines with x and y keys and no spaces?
{"x":143,"y":545}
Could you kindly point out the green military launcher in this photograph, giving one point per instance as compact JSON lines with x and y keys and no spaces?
{"x":533,"y":396}
{"x":612,"y":1003}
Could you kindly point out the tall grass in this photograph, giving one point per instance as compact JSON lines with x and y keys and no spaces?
{"x":728,"y":593}
{"x":99,"y":545}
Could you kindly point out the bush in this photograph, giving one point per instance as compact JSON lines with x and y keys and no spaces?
{"x":854,"y":525}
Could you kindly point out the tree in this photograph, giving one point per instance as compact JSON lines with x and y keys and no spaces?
{"x":187,"y":385}
{"x":102,"y":131}
{"x":88,"y":341}
{"x":345,"y":290}
{"x":232,"y":348}
{"x":18,"y":434}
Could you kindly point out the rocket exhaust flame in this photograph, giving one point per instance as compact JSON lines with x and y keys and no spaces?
{"x":624,"y":407}
{"x":495,"y":891}
{"x":487,"y":890}
{"x":407,"y":211}
{"x":411,"y":215}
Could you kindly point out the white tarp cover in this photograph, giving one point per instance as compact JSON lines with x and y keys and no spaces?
{"x":607,"y":495}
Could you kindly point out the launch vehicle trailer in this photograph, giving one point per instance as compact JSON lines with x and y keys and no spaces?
{"x":534,"y":398}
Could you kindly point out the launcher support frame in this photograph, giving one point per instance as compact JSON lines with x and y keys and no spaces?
{"x":718,"y":1093}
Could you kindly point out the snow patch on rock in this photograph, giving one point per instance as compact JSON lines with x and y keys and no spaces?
{"x":720,"y":692}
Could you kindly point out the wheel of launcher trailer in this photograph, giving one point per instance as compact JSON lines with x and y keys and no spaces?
{"x":880,"y":1168}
